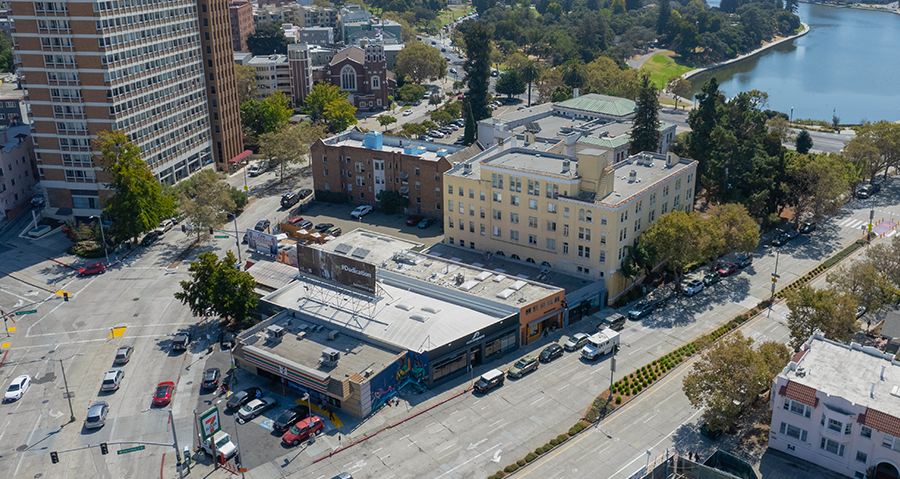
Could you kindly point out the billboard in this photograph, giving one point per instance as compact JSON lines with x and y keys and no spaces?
{"x":209,"y":423}
{"x":262,"y":242}
{"x":334,"y":267}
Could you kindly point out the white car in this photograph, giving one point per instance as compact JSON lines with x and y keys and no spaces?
{"x":693,"y":287}
{"x":407,"y":112}
{"x":17,"y":388}
{"x":254,"y":170}
{"x":361,"y":211}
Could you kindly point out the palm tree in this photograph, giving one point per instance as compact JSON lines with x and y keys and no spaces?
{"x":573,"y":74}
{"x":530,"y":72}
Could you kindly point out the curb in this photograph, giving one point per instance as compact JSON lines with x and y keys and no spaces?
{"x":759,"y":50}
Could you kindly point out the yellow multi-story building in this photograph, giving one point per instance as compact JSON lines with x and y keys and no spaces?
{"x":569,"y":206}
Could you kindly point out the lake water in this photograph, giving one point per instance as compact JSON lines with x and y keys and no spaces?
{"x":849,"y":64}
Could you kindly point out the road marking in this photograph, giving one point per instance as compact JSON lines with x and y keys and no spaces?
{"x":640,"y":456}
{"x":376,"y":450}
{"x":495,"y":423}
{"x":470,"y":460}
{"x":460,"y":419}
{"x":602,"y":448}
{"x":563,"y":387}
{"x":448,"y":447}
{"x":537,"y":400}
{"x":474,"y":403}
{"x":635,"y":351}
{"x":410,"y":444}
{"x":402,"y":438}
{"x":651,"y":417}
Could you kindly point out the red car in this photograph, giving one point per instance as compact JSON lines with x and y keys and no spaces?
{"x":93,"y":268}
{"x":163,"y":393}
{"x":302,"y":430}
{"x":296,"y":221}
{"x":414,"y":220}
{"x":727,"y":269}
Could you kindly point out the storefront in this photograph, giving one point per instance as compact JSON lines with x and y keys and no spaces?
{"x":458,"y":357}
{"x":586,"y":301}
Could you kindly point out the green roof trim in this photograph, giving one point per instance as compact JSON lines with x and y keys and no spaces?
{"x":601,"y":104}
{"x":606,"y":142}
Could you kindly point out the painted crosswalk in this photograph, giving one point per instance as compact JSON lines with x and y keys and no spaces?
{"x":853,"y":223}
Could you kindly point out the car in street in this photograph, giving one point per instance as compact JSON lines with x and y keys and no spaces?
{"x":711,"y":278}
{"x":495,"y":73}
{"x":255,"y":408}
{"x":240,"y":398}
{"x":262,"y":225}
{"x":323,"y":226}
{"x":226,"y":340}
{"x":640,"y":310}
{"x":96,"y":416}
{"x":255,"y":170}
{"x":123,"y":355}
{"x":744,"y":260}
{"x":407,"y":112}
{"x":693,"y":287}
{"x":93,"y":268}
{"x":224,"y":447}
{"x":785,"y":237}
{"x":360,"y":211}
{"x":181,"y":340}
{"x":489,"y":380}
{"x":414,"y":220}
{"x":425,"y":223}
{"x":727,"y":269}
{"x":460,"y":57}
{"x":163,"y":393}
{"x":576,"y":342}
{"x":211,"y":378}
{"x":807,"y":227}
{"x":289,"y":199}
{"x":289,"y":417}
{"x":112,"y":379}
{"x":453,"y":71}
{"x":550,"y":353}
{"x":417,"y":102}
{"x":150,"y":238}
{"x":523,"y":367}
{"x":165,"y":226}
{"x":302,"y":430}
{"x":17,"y":388}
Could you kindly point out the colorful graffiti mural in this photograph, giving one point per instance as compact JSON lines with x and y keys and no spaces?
{"x":409,"y":370}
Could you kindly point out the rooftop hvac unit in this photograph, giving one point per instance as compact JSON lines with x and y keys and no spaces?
{"x":275,"y":331}
{"x":330,"y":357}
{"x":332,"y":335}
{"x":632,"y":176}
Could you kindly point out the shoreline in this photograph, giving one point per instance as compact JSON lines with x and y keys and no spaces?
{"x":745,"y":56}
{"x":857,"y":6}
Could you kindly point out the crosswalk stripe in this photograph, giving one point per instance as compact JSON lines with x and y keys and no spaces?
{"x":847,"y":222}
{"x":890,"y":233}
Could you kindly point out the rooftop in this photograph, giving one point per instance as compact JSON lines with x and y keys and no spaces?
{"x":425,"y":150}
{"x":9,"y":89}
{"x":535,"y":161}
{"x":651,"y":169}
{"x":593,"y":103}
{"x":261,"y":60}
{"x":849,"y":372}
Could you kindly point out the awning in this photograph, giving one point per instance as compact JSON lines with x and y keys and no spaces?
{"x":64,"y":212}
{"x":241,"y":157}
{"x":545,"y":317}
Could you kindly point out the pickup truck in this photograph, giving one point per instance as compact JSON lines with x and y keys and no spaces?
{"x":224,"y":447}
{"x":601,"y":343}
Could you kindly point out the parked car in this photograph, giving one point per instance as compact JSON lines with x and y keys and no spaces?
{"x":240,"y":398}
{"x":335,"y":231}
{"x":17,"y":388}
{"x":615,"y":321}
{"x":165,"y":225}
{"x":163,"y":393}
{"x":224,"y":447}
{"x":640,"y":310}
{"x":211,"y":378}
{"x":181,"y":340}
{"x":289,"y":199}
{"x":323,"y":226}
{"x":96,"y":416}
{"x":453,"y":71}
{"x":550,"y":353}
{"x":112,"y":379}
{"x":407,"y":112}
{"x":305,"y":224}
{"x":807,"y":227}
{"x":302,"y":430}
{"x":305,"y":193}
{"x":414,"y":220}
{"x":289,"y":417}
{"x":727,"y":269}
{"x":361,"y":211}
{"x":93,"y":268}
{"x":489,"y":380}
{"x":576,"y":342}
{"x":255,"y":169}
{"x":262,"y":225}
{"x":743,"y":260}
{"x":425,"y":223}
{"x":149,"y":238}
{"x":523,"y":367}
{"x":123,"y":355}
{"x":711,"y":278}
{"x":693,"y":287}
{"x":255,"y":408}
{"x":785,"y":237}
{"x":435,"y":134}
{"x":295,"y":221}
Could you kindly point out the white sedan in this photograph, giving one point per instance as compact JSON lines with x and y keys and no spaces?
{"x":407,"y":112}
{"x":17,"y":388}
{"x":361,"y":211}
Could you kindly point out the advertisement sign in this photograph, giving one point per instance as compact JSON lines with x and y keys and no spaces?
{"x":209,"y":423}
{"x":334,"y":267}
{"x":262,"y":242}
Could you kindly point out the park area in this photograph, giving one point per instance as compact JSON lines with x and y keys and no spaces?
{"x":664,"y":66}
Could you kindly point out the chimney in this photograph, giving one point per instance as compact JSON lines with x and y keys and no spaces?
{"x":575,"y":92}
{"x":632,"y":176}
{"x":671,"y":159}
{"x":565,"y":166}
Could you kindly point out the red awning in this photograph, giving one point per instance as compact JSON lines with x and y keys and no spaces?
{"x":241,"y":157}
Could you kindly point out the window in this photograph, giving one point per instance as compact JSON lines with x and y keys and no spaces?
{"x":584,"y":234}
{"x":514,"y":235}
{"x":565,"y":230}
{"x":532,"y":240}
{"x":481,"y":212}
{"x":566,"y":212}
{"x":797,"y":408}
{"x":848,"y":428}
{"x":417,"y":171}
{"x":450,"y":206}
{"x":551,"y":225}
{"x":652,"y":216}
{"x":497,"y":181}
{"x":891,"y":442}
{"x":376,"y":82}
{"x":450,"y":224}
{"x":532,"y":205}
{"x":551,"y":243}
{"x":565,"y":248}
{"x":865,"y":431}
{"x":348,"y":78}
{"x":584,"y":252}
{"x":460,"y":191}
{"x":835,"y":426}
{"x":861,"y":456}
{"x":793,"y":431}
{"x":584,"y":270}
{"x":482,"y":229}
{"x":515,"y":184}
{"x":514,"y":218}
{"x":551,"y":208}
{"x":831,"y":446}
{"x":639,"y":207}
{"x":462,"y":208}
{"x":652,"y":199}
{"x":471,"y":210}
{"x":637,"y":225}
{"x":471,"y":193}
{"x":418,"y":186}
{"x":482,"y":196}
{"x":497,"y":231}
{"x":514,"y":200}
{"x":471,"y":226}
{"x":580,"y":215}
{"x":602,"y":219}
{"x":664,"y":209}
{"x":450,"y":189}
{"x":623,"y":216}
{"x":437,"y":191}
{"x":587,"y":216}
{"x":602,"y":256}
{"x":678,"y":184}
{"x":666,"y":191}
{"x":498,"y":215}
{"x":623,"y":235}
{"x":532,"y":222}
{"x":498,"y":197}
{"x":603,"y":238}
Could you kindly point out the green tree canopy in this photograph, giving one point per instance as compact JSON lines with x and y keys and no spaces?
{"x":477,"y":38}
{"x":266,"y":116}
{"x":421,"y":62}
{"x":268,"y":39}
{"x":245,"y":81}
{"x":218,"y":287}
{"x":737,"y":230}
{"x":385,"y":120}
{"x":411,"y":92}
{"x":862,"y":281}
{"x":289,"y":145}
{"x":679,"y":87}
{"x":825,"y":309}
{"x":816,"y":184}
{"x":510,"y":83}
{"x":683,"y":239}
{"x":645,"y":133}
{"x":320,"y":96}
{"x":206,"y":203}
{"x":340,"y":115}
{"x":803,"y":142}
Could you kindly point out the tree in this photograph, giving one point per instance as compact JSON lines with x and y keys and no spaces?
{"x":268,"y":115}
{"x":816,"y":184}
{"x":618,"y":7}
{"x":138,"y":203}
{"x":434,"y":100}
{"x":737,"y":230}
{"x":645,"y":133}
{"x":679,"y":87}
{"x":267,"y":40}
{"x":730,"y":376}
{"x":862,"y":281}
{"x":239,"y":198}
{"x":429,"y":125}
{"x":385,"y":120}
{"x":206,"y":203}
{"x":884,"y":136}
{"x":510,"y":84}
{"x":632,"y":5}
{"x":530,"y":72}
{"x":662,"y":18}
{"x":781,"y":128}
{"x":885,"y":257}
{"x":7,"y":62}
{"x":411,"y":92}
{"x":340,"y":115}
{"x":803,"y":142}
{"x":289,"y":145}
{"x":391,"y":202}
{"x":824,"y":310}
{"x":478,"y":51}
{"x":407,"y":33}
{"x":791,"y":6}
{"x":683,"y":239}
{"x":245,"y":81}
{"x":470,"y":131}
{"x":441,"y":117}
{"x":219,"y":287}
{"x":320,"y":96}
{"x":413,"y":129}
{"x":421,"y":62}
{"x":702,"y":121}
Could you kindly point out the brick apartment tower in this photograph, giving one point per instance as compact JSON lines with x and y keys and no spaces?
{"x":242,"y":25}
{"x":221,"y":89}
{"x":301,"y":72}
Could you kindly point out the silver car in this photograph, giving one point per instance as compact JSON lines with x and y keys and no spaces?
{"x":96,"y":416}
{"x":112,"y":380}
{"x":576,"y":342}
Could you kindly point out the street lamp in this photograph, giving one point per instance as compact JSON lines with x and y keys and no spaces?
{"x":66,"y":383}
{"x":102,"y":237}
{"x":237,"y":241}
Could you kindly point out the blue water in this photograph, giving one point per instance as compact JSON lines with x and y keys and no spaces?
{"x":849,"y":64}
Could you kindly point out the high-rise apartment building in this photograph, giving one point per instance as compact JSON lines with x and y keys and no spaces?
{"x":242,"y":25}
{"x":139,"y":66}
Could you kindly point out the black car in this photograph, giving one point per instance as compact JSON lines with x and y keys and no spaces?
{"x":323,"y":226}
{"x":150,"y":238}
{"x":865,"y":191}
{"x":550,"y":353}
{"x":290,"y":417}
{"x":227,"y":340}
{"x":262,"y":225}
{"x":304,"y":193}
{"x":807,"y":227}
{"x":784,"y":238}
{"x":289,"y":199}
{"x":743,"y":260}
{"x":240,"y":398}
{"x":211,"y":378}
{"x":711,"y":278}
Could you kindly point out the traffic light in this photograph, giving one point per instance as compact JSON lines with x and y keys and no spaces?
{"x":54,"y":457}
{"x":66,"y":297}
{"x":183,"y":229}
{"x":211,"y":231}
{"x":103,"y":449}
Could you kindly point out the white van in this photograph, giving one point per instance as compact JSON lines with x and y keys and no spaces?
{"x":601,"y":343}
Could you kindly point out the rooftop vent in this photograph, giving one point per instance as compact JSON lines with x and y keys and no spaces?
{"x":632,"y":176}
{"x":442,"y":153}
{"x":518,"y":285}
{"x":404,"y":307}
{"x":430,"y":309}
{"x":419,"y":317}
{"x":500,"y":278}
{"x":566,"y":164}
{"x":467,"y":168}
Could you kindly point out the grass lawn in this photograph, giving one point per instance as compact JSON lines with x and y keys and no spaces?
{"x":663,"y":66}
{"x":452,"y":12}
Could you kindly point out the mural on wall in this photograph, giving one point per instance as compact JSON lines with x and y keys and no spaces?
{"x":408,"y":370}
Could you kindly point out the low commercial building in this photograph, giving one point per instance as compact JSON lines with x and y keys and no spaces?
{"x":316,"y":35}
{"x":838,"y":406}
{"x":385,"y":27}
{"x":367,"y":317}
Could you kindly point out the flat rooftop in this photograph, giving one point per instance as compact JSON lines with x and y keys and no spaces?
{"x":427,"y":151}
{"x":543,"y":163}
{"x":9,"y":89}
{"x":849,"y":372}
{"x":649,"y":175}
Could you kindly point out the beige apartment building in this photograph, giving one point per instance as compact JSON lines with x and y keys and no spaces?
{"x":572,"y":209}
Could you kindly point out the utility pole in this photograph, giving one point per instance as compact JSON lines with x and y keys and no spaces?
{"x":177,"y":451}
{"x":68,"y":395}
{"x":774,"y":282}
